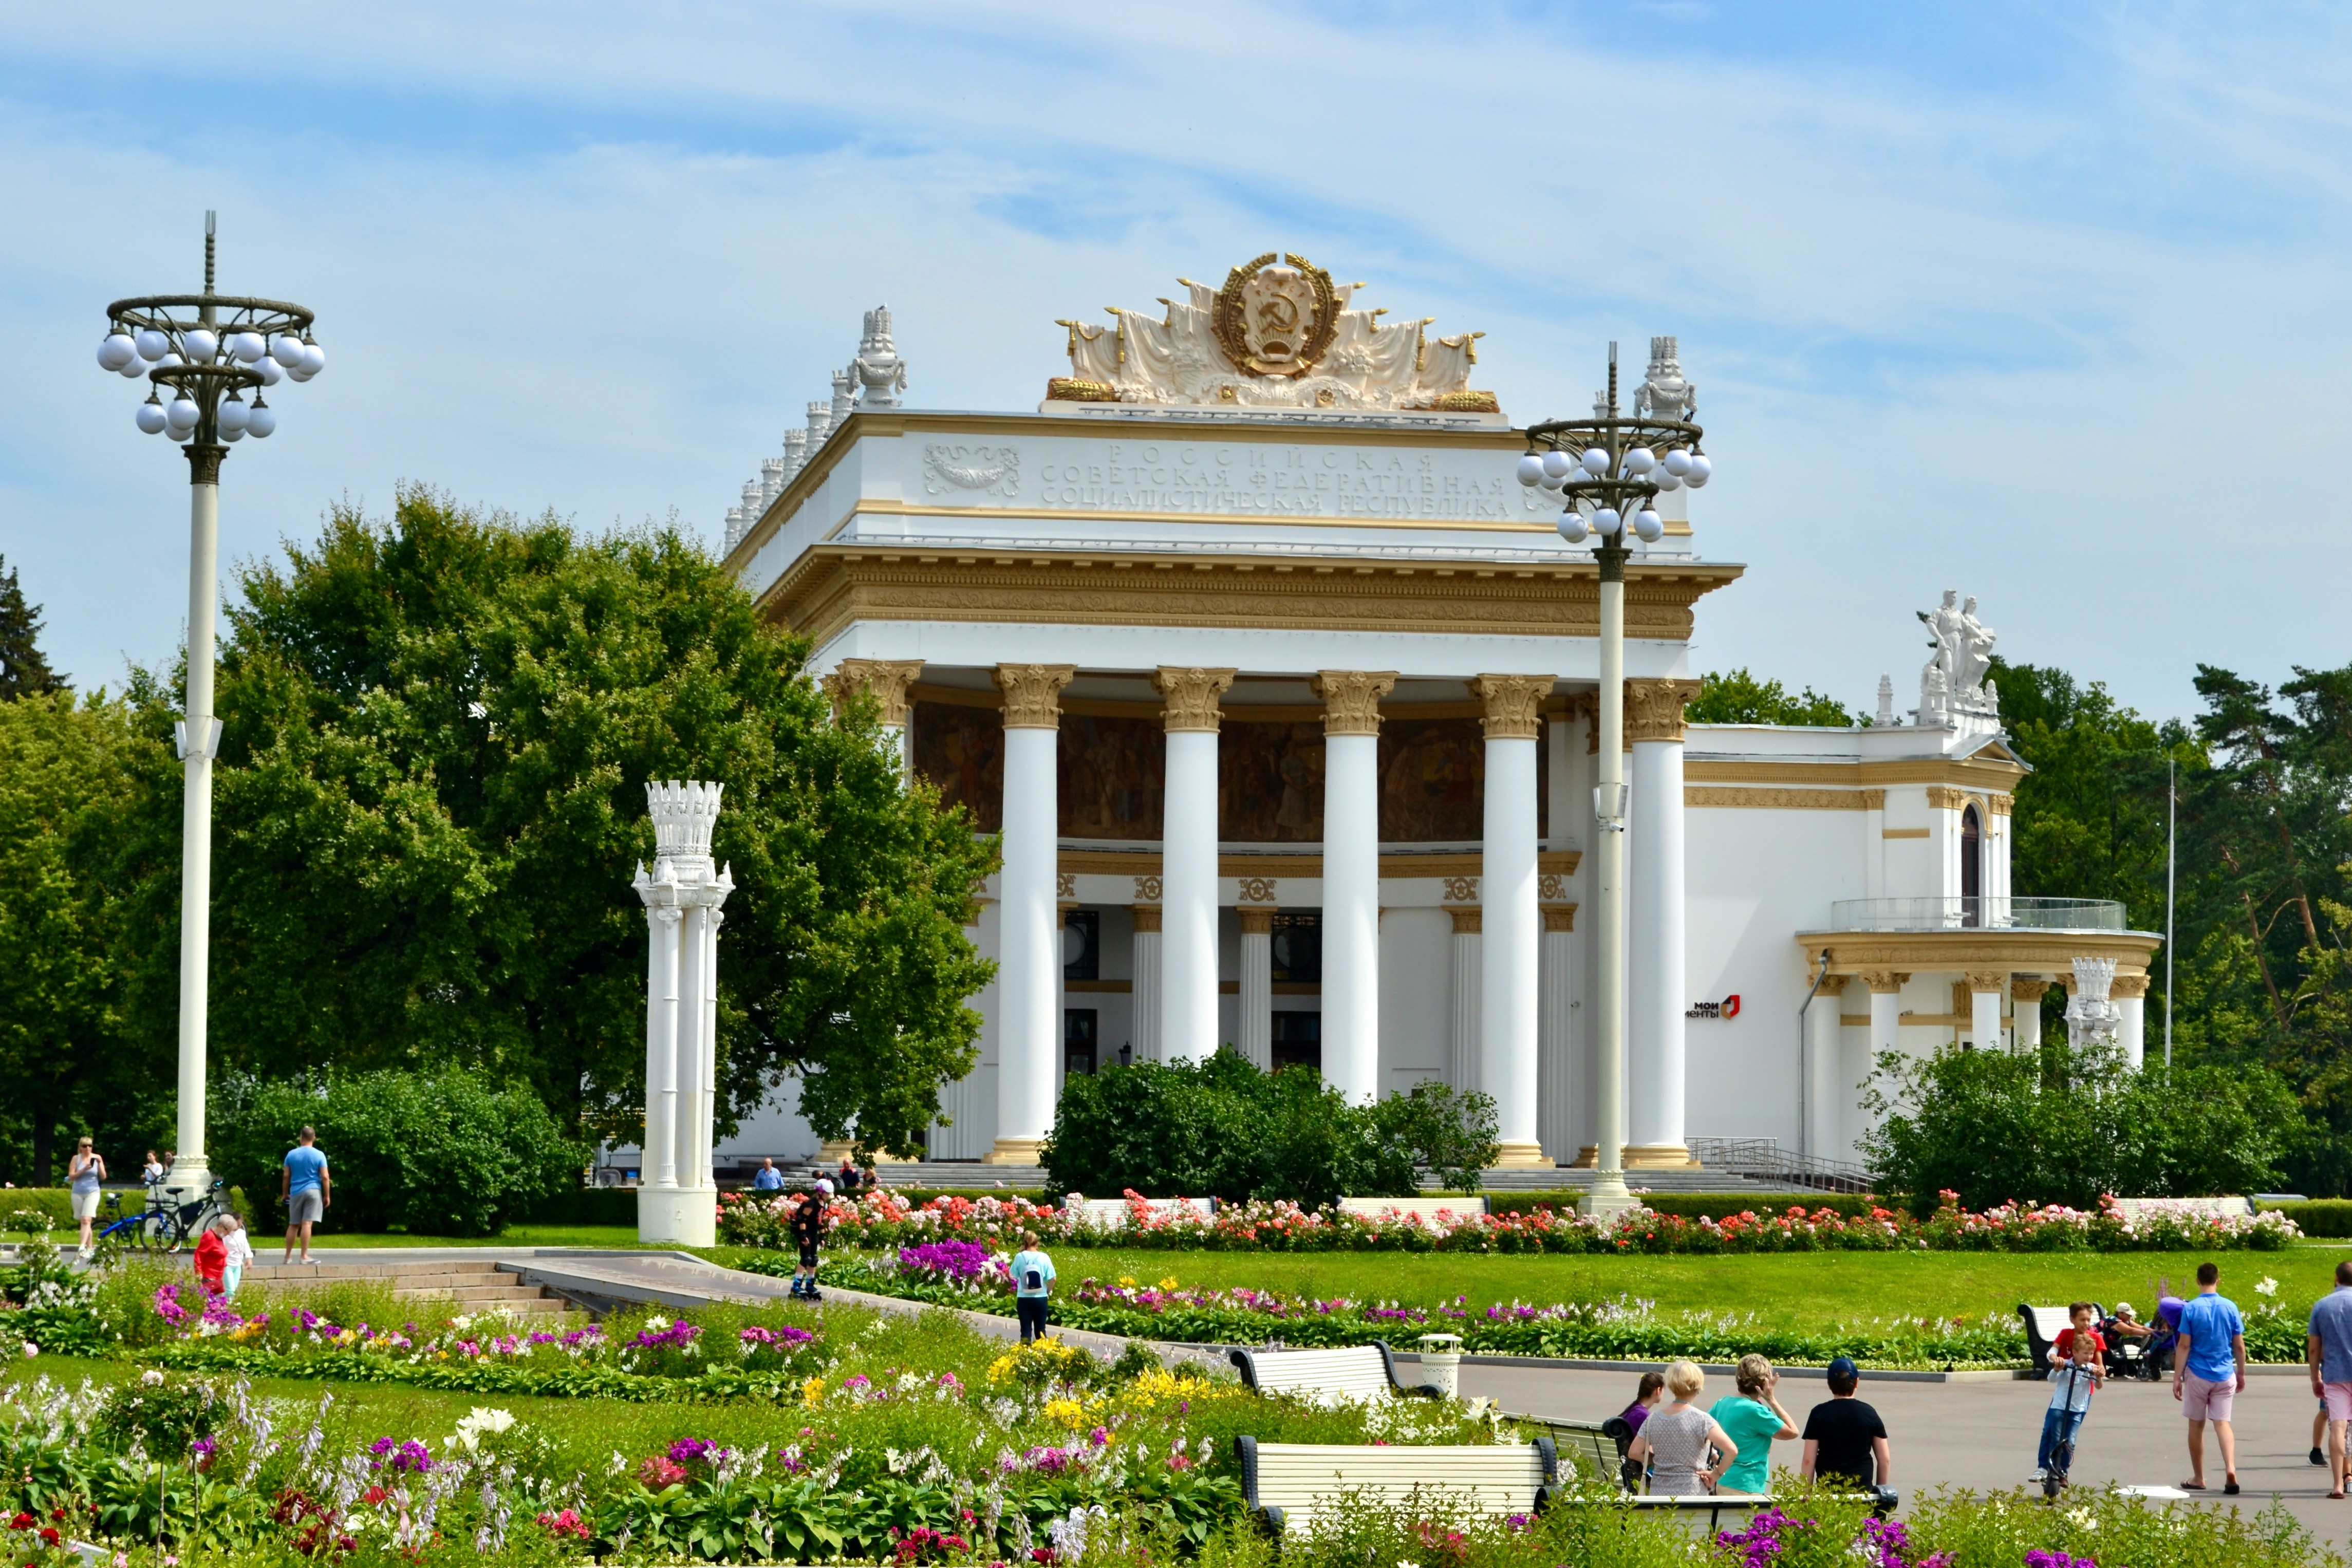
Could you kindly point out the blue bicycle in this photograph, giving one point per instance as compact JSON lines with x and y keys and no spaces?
{"x":167,"y":1222}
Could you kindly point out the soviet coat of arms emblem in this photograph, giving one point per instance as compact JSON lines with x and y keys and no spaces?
{"x":1276,"y":317}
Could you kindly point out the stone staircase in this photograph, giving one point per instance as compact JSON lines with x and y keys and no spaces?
{"x":475,"y":1286}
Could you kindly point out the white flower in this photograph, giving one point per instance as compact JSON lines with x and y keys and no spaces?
{"x":2269,"y":1287}
{"x":656,"y":1323}
{"x":151,"y":1377}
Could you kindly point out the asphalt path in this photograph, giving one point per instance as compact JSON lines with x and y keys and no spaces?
{"x":1982,"y":1436}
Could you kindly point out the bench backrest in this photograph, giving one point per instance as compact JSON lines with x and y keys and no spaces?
{"x":1455,"y":1206}
{"x":1351,"y":1371}
{"x":1597,"y":1447}
{"x":2231,"y":1206}
{"x":2042,"y":1327}
{"x":1303,"y":1479}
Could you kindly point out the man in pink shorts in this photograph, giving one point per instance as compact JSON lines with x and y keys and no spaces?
{"x":2208,"y":1370}
{"x":2328,"y":1347}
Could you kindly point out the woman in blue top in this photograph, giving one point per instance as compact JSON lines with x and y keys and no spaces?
{"x":1753,"y":1418}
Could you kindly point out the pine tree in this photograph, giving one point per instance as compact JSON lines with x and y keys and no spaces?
{"x":24,"y":672}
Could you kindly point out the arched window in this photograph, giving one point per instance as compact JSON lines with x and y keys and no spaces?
{"x":1971,"y":867}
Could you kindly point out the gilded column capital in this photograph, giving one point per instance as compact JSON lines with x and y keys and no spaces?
{"x":1874,"y":800}
{"x":1351,"y":700}
{"x":1468,"y":919}
{"x":2124,"y":987}
{"x":1832,"y":986}
{"x":1882,"y":981}
{"x":1032,"y":694}
{"x":2028,"y":989}
{"x":2000,"y":805}
{"x":888,"y":678}
{"x":1994,"y":979}
{"x":1256,"y":921}
{"x":1653,"y":709}
{"x":1559,"y":917}
{"x":1191,"y":696}
{"x":1147,"y":919}
{"x":1513,"y":704}
{"x":1944,"y":798}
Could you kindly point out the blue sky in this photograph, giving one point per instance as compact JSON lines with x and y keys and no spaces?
{"x":2047,"y":304}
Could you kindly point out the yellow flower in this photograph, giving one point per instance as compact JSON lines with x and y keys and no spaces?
{"x":1068,"y":1412}
{"x":1127,"y":1281}
{"x":813,"y":1392}
{"x":1168,"y":1283}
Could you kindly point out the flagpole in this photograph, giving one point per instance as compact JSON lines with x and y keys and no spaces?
{"x":2171,"y":816}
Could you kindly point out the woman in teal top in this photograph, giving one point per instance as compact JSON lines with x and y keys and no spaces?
{"x":1754,"y":1419}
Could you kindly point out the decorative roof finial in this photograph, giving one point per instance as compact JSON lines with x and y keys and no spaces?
{"x":881,"y":375}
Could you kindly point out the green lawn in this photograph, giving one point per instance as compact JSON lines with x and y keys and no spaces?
{"x":1795,"y":1291}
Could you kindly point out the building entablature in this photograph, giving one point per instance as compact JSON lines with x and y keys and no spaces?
{"x":2041,"y":953}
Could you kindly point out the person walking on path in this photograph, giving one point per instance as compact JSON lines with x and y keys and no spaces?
{"x":2328,"y":1347}
{"x":212,"y":1256}
{"x":1844,"y":1439}
{"x":767,"y":1178}
{"x":1755,"y":1419}
{"x":808,"y":1234}
{"x":306,"y":1189}
{"x":1677,"y":1436}
{"x":2207,"y":1375}
{"x":2077,"y":1365}
{"x":1033,"y":1287}
{"x":83,"y":1173}
{"x":240,"y":1253}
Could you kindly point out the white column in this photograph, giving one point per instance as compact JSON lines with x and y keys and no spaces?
{"x":1463,"y":1042}
{"x":659,"y":1167}
{"x":1824,"y":1114}
{"x":1188,"y":867}
{"x":1986,"y":989}
{"x":1657,"y":985}
{"x":1146,"y":993}
{"x":1029,"y":966}
{"x":2025,"y":1011}
{"x":692,"y":928}
{"x":2130,"y":994}
{"x":1555,"y":1062}
{"x":1254,"y":1035}
{"x":1886,"y":1010}
{"x":1873,"y":847}
{"x":198,"y":747}
{"x":1352,"y":878}
{"x":1508,"y":1067}
{"x":683,"y":898}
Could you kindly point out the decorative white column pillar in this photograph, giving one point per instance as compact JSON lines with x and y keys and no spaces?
{"x":1824,"y":1126}
{"x":889,"y":682}
{"x":1873,"y":845}
{"x":1507,"y":1059}
{"x":1555,"y":1062}
{"x":1255,"y":1013}
{"x":1188,"y":863}
{"x":1029,"y":963}
{"x":1352,"y":878}
{"x":199,"y":736}
{"x":683,"y":896}
{"x":1986,"y":988}
{"x":1885,"y":1011}
{"x":2025,"y":1012}
{"x":1463,"y":1042}
{"x":2129,"y":992}
{"x":1657,"y":984}
{"x":1146,"y":993}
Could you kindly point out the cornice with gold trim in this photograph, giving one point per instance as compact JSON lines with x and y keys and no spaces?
{"x":832,"y":587}
{"x":1140,"y":708}
{"x":1959,"y":952}
{"x":1983,"y":774}
{"x":1779,"y":799}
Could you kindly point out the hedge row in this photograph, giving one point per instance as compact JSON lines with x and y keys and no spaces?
{"x":2319,"y":1217}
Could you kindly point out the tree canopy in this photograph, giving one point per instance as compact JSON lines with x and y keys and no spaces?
{"x":24,"y":669}
{"x":1738,"y":698}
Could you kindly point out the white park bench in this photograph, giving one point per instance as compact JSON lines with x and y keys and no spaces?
{"x":1113,"y":1213}
{"x":2042,"y":1327}
{"x":2230,"y":1207}
{"x":1292,"y":1484}
{"x":1455,"y":1206}
{"x":1355,"y":1373}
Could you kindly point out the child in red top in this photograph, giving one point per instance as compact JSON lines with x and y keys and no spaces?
{"x":212,"y":1256}
{"x":2077,"y":1366}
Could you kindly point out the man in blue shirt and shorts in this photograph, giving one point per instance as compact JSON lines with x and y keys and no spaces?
{"x":2208,"y":1372}
{"x":2328,"y":1347}
{"x":305,"y":1188}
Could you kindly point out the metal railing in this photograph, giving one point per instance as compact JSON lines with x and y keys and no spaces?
{"x":1764,"y":1157}
{"x":1976,"y":914}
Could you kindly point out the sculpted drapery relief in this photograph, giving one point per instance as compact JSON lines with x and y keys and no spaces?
{"x":1280,"y":333}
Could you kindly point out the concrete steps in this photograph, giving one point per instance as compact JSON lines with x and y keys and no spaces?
{"x":475,"y":1286}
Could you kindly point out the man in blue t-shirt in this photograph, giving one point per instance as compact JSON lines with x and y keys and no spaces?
{"x":2208,"y":1372}
{"x":306,"y":1189}
{"x":768,"y":1179}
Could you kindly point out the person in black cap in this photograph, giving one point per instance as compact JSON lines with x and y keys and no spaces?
{"x":1846,"y":1442}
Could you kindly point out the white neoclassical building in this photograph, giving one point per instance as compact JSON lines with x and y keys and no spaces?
{"x":1281,"y":692}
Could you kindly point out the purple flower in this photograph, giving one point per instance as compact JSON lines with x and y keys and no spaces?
{"x":954,"y":1260}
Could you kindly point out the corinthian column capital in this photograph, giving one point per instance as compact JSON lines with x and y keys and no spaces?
{"x":888,"y":678}
{"x":1192,"y":695}
{"x":1653,"y":709}
{"x":1512,"y":704}
{"x":1032,"y":694}
{"x":1351,"y":700}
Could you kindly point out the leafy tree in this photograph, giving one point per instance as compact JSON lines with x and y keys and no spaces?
{"x":24,"y":671}
{"x":67,"y":771}
{"x":1738,"y":698}
{"x":438,"y":731}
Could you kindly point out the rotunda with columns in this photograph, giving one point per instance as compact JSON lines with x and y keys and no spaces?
{"x":1281,"y":694}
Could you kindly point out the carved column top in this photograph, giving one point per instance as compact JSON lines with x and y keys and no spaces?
{"x":1994,"y":979}
{"x":1147,"y":919}
{"x":1653,"y":709}
{"x":2029,"y":989}
{"x":1883,"y":982}
{"x":1256,"y":921}
{"x":1945,"y":797}
{"x":2126,"y":986}
{"x":1032,"y":694}
{"x":888,"y":678}
{"x":1192,"y":695}
{"x":1832,"y":984}
{"x":1468,"y":920}
{"x":1351,"y":700}
{"x":1513,"y":704}
{"x":1559,"y":917}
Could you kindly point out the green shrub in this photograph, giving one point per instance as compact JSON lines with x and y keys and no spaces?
{"x":1221,"y":1127}
{"x":53,"y":1204}
{"x":2317,"y":1216}
{"x":449,"y":1153}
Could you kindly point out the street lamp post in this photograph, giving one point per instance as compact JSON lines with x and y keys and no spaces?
{"x":1608,"y":472}
{"x":208,"y":350}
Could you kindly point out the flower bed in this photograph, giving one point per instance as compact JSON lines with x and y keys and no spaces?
{"x":884,"y":1219}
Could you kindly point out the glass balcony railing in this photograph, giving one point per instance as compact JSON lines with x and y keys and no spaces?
{"x":1976,"y":914}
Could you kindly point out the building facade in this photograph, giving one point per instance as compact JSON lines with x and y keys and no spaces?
{"x":1281,"y":692}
